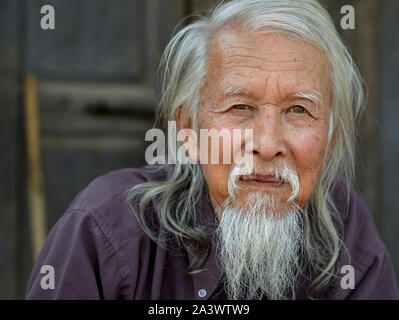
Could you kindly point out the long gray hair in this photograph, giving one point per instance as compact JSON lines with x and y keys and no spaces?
{"x":184,"y":65}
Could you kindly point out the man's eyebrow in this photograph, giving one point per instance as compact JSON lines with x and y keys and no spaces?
{"x":312,"y":95}
{"x":235,"y":91}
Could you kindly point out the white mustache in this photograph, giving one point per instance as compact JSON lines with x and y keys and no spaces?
{"x":281,"y":173}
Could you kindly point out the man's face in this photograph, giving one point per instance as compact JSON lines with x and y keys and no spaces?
{"x":267,"y":83}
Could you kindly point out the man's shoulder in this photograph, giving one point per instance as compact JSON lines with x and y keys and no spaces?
{"x":364,"y":249}
{"x":359,"y":226}
{"x":114,"y":185}
{"x":363,"y":243}
{"x":105,"y":198}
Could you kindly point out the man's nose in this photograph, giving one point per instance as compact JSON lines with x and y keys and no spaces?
{"x":268,"y":135}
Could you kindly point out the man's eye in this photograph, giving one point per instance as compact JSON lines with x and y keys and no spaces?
{"x":241,"y":107}
{"x":298,"y":109}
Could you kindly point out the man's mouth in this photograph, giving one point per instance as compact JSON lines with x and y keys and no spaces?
{"x":262,"y":181}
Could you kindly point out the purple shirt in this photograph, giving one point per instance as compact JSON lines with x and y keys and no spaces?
{"x":98,"y":251}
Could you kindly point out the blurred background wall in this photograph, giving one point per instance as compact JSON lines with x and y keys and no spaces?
{"x":96,"y":98}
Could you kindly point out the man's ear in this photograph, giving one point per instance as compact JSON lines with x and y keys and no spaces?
{"x":186,"y":133}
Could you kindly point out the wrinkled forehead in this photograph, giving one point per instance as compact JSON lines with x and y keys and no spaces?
{"x":244,"y":57}
{"x":275,"y":42}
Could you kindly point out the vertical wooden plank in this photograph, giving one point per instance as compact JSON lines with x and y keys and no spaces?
{"x":35,"y":183}
{"x":389,"y":59}
{"x":9,"y":65}
{"x":366,"y":50}
{"x":363,"y":45}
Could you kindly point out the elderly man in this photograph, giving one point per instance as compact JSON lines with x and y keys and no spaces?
{"x":289,"y":226}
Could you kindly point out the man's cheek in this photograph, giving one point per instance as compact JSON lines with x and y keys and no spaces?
{"x":216,"y":177}
{"x":309,"y":148}
{"x":308,"y":154}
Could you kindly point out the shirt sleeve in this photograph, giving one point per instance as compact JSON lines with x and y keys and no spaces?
{"x":378,"y":282}
{"x":374,"y":277}
{"x":81,"y":260}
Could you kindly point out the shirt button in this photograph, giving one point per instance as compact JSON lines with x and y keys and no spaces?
{"x":202,"y":293}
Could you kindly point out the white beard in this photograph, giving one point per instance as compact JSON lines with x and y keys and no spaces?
{"x":259,"y":249}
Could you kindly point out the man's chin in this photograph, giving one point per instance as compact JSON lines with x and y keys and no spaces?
{"x":273,"y":203}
